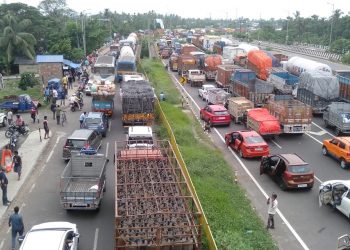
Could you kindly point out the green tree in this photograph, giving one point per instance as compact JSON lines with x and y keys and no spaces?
{"x":14,"y":40}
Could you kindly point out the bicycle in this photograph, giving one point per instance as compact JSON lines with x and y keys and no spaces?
{"x":63,"y":117}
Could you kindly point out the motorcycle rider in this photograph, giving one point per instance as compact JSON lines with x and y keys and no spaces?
{"x":19,"y":124}
{"x":74,"y":100}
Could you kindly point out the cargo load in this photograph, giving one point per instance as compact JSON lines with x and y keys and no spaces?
{"x":185,"y":63}
{"x":211,"y":64}
{"x":297,"y":65}
{"x":293,"y":115}
{"x":126,"y":62}
{"x":343,"y":77}
{"x":337,"y":115}
{"x":238,"y":107}
{"x":284,"y":83}
{"x":154,"y":207}
{"x":260,"y":120}
{"x":217,"y":96}
{"x":137,"y":103}
{"x":187,"y":48}
{"x":223,"y":76}
{"x":173,"y":62}
{"x":260,"y":63}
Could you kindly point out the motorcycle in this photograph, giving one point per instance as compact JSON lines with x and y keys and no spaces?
{"x":74,"y":106}
{"x":23,"y":130}
{"x":13,"y":141}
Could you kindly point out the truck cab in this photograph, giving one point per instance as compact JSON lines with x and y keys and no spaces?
{"x":196,"y":77}
{"x":140,"y":137}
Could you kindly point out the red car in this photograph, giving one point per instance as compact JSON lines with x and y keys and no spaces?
{"x":215,"y":115}
{"x":248,"y":143}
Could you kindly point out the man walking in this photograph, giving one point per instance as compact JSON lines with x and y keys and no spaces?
{"x":17,"y":225}
{"x":272,"y":207}
{"x":58,"y":114}
{"x":3,"y":183}
{"x":17,"y":164}
{"x":46,"y":128}
{"x":82,"y":118}
{"x":53,"y":109}
{"x":9,"y":117}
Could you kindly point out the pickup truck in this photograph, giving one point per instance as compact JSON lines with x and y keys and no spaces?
{"x":260,"y":120}
{"x":237,"y":108}
{"x":337,"y":115}
{"x":196,"y":77}
{"x":103,"y":104}
{"x":83,"y":182}
{"x":203,"y":91}
{"x":19,"y":103}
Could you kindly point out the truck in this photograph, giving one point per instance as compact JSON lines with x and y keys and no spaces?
{"x":241,"y":53}
{"x":217,"y":96}
{"x":126,"y":62}
{"x":244,"y":83}
{"x":297,"y":65}
{"x":154,"y":207}
{"x":317,"y":90}
{"x":283,"y":82}
{"x":104,"y":69}
{"x":260,"y":63}
{"x":20,"y":103}
{"x":187,"y":48}
{"x":294,"y":116}
{"x":185,"y":63}
{"x":238,"y":107}
{"x":83,"y":182}
{"x":337,"y":115}
{"x":140,"y":137}
{"x":195,"y":77}
{"x":260,"y":120}
{"x":343,"y":77}
{"x":223,"y":76}
{"x":173,"y":62}
{"x":211,"y":64}
{"x":103,"y":103}
{"x":137,"y":103}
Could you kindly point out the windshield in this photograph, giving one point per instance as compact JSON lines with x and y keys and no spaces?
{"x":254,"y":139}
{"x":76,"y":144}
{"x":221,"y":113}
{"x":144,"y":140}
{"x":104,"y":71}
{"x":302,"y":169}
{"x":91,"y":121}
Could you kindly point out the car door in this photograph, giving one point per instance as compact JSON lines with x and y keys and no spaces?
{"x":325,"y":195}
{"x":333,"y":147}
{"x":342,"y":153}
{"x":207,"y":113}
{"x":264,"y":165}
{"x":344,"y":205}
{"x":238,"y":141}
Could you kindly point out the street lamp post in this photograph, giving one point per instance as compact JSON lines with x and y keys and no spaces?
{"x":331,"y":33}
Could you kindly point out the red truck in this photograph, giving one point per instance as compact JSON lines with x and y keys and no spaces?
{"x":223,"y":76}
{"x":211,"y":64}
{"x":260,"y":120}
{"x":186,"y":49}
{"x":184,"y":63}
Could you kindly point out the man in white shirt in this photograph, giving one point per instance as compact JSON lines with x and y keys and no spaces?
{"x":272,"y":207}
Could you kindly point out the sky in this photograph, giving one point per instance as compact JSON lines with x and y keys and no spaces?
{"x":222,"y":9}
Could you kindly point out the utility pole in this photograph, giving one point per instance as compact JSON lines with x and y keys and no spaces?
{"x":76,"y":26}
{"x":331,"y":33}
{"x":83,"y":31}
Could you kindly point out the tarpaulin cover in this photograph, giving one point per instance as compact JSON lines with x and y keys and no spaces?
{"x":212,"y":62}
{"x":261,"y":63}
{"x":275,"y":61}
{"x":268,"y":124}
{"x":320,"y":84}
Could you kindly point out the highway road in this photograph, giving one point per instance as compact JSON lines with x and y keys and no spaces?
{"x":317,"y":227}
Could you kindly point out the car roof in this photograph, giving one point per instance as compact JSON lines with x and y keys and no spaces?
{"x":248,"y":133}
{"x":345,"y":139}
{"x":140,"y":130}
{"x":293,"y":159}
{"x":217,"y":107}
{"x":81,"y":134}
{"x":94,"y":115}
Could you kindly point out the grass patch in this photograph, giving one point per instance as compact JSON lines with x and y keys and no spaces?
{"x":231,"y":217}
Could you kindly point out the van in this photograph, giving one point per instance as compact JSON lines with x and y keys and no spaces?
{"x":140,"y":137}
{"x":96,"y":121}
{"x":79,"y":139}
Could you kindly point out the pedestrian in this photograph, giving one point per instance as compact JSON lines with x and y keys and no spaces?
{"x":17,"y":225}
{"x":65,"y":81}
{"x":70,"y":81}
{"x":9,"y":117}
{"x":207,"y":127}
{"x":3,"y":183}
{"x":272,"y":207}
{"x":46,"y":128}
{"x":161,"y":96}
{"x":82,"y":118}
{"x":53,"y":109}
{"x":54,"y":94}
{"x":33,"y":113}
{"x":58,"y":114}
{"x":17,"y":164}
{"x":47,"y":95}
{"x":63,"y":97}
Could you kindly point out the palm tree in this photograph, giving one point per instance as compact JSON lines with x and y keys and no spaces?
{"x":14,"y":40}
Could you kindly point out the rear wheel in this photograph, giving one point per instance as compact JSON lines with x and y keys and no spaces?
{"x":8,"y":133}
{"x":343,"y":164}
{"x":324,"y":151}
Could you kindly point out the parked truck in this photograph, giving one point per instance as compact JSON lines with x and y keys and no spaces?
{"x":223,"y":76}
{"x":217,"y":96}
{"x":185,"y":63}
{"x":19,"y":103}
{"x":83,"y":182}
{"x":238,"y":107}
{"x":293,"y":115}
{"x":317,"y":90}
{"x":260,"y":63}
{"x":260,"y":120}
{"x":283,"y":82}
{"x":137,"y":103}
{"x":154,"y":207}
{"x":195,"y":77}
{"x":297,"y":65}
{"x":173,"y":62}
{"x":244,"y":83}
{"x":187,"y":48}
{"x":337,"y":115}
{"x":343,"y":77}
{"x":126,"y":62}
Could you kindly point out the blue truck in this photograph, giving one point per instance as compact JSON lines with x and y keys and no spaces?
{"x":284,"y":83}
{"x":126,"y":63}
{"x":104,"y":104}
{"x":19,"y":103}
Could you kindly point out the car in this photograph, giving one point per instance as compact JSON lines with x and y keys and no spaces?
{"x":51,"y":235}
{"x":215,"y":115}
{"x":248,"y":143}
{"x":80,"y":139}
{"x":97,"y":121}
{"x":338,"y":148}
{"x":336,"y":193}
{"x":3,"y":119}
{"x":290,"y":171}
{"x":203,"y":91}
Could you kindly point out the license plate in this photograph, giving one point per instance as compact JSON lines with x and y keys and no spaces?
{"x":302,"y":185}
{"x":258,"y":149}
{"x":221,"y":118}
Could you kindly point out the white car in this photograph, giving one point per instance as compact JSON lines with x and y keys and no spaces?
{"x":51,"y":236}
{"x":3,"y":119}
{"x":203,"y":91}
{"x":336,"y":193}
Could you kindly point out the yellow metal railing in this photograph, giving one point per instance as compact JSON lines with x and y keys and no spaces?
{"x":173,"y":143}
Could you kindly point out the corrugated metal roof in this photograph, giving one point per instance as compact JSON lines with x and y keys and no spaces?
{"x":71,"y":64}
{"x":49,"y":58}
{"x":24,"y":61}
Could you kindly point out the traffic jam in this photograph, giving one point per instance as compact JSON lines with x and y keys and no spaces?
{"x":284,"y":118}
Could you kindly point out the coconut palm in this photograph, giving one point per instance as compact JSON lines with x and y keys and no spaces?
{"x":13,"y":40}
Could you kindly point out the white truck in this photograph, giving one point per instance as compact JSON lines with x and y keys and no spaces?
{"x":203,"y":91}
{"x":217,"y":96}
{"x":196,"y":77}
{"x":140,"y":137}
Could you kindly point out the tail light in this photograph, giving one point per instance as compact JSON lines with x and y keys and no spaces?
{"x":288,"y":175}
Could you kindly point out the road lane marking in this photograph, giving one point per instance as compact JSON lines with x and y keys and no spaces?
{"x":319,"y":133}
{"x":96,"y":239}
{"x":319,"y":180}
{"x":109,"y":126}
{"x":31,"y":188}
{"x":2,"y":244}
{"x":296,"y":235}
{"x":314,"y":138}
{"x":280,"y":147}
{"x":323,"y":129}
{"x":53,"y":149}
{"x":107,"y":149}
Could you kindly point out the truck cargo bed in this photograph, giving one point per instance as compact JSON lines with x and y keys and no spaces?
{"x":81,"y":185}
